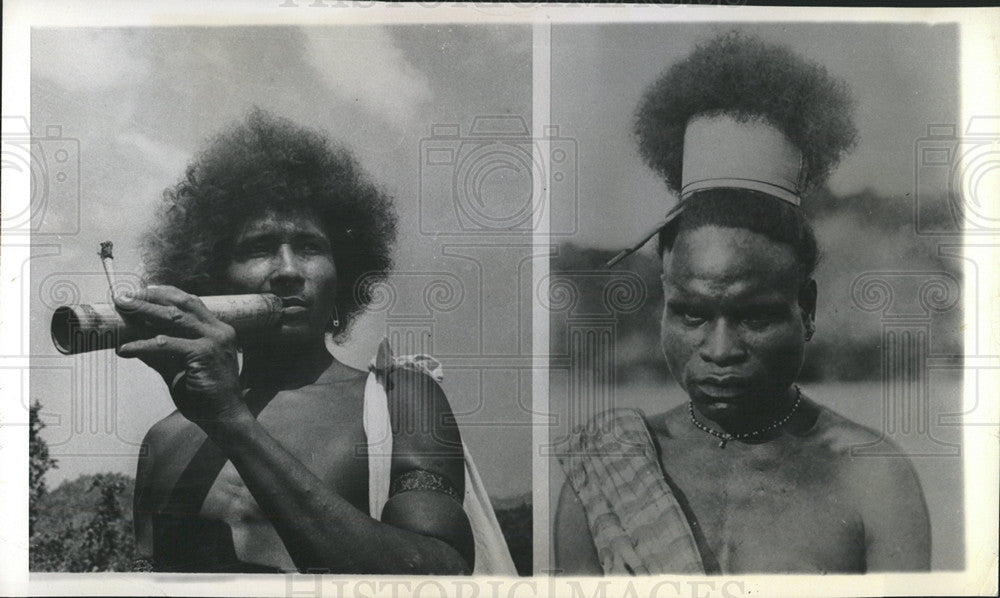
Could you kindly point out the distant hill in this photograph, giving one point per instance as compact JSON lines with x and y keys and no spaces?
{"x":85,"y":525}
{"x":858,"y":235}
{"x":74,"y":502}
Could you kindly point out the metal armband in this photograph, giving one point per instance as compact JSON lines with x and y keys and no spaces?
{"x":419,"y":479}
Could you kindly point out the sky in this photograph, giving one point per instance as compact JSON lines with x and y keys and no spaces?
{"x":903,"y":77}
{"x":133,"y":106}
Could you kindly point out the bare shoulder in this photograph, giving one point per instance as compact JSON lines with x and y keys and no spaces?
{"x":419,"y":404}
{"x":839,"y":433}
{"x":874,"y":475}
{"x":673,"y":423}
{"x":166,"y":432}
{"x":337,"y":384}
{"x":160,"y":453}
{"x":425,"y":431}
{"x":334,"y":401}
{"x":853,"y":443}
{"x":881,"y":482}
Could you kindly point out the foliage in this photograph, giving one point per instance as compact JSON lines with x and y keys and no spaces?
{"x":85,"y":525}
{"x":40,"y":463}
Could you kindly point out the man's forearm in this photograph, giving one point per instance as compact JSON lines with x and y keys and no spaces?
{"x":319,"y":528}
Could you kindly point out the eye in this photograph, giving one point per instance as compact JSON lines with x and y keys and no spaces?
{"x":757,"y":323}
{"x":255,"y":250}
{"x":313,"y":247}
{"x":691,"y":319}
{"x":760,"y":319}
{"x":687,"y":315}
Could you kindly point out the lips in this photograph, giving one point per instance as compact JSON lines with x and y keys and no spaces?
{"x":293,"y":302}
{"x":293,"y":306}
{"x":722,"y":387}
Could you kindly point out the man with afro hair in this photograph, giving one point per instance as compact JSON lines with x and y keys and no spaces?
{"x":752,"y":475}
{"x":266,"y":467}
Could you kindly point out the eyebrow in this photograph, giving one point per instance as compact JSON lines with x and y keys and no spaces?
{"x":753,"y":305}
{"x":251,"y":236}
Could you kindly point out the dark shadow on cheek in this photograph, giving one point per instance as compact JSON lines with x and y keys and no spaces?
{"x":676,"y":356}
{"x":787,"y":362}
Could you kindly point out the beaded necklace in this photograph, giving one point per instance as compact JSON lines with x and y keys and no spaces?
{"x":725,"y":437}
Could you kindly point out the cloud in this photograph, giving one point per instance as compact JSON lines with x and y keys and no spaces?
{"x":88,"y":60}
{"x":364,"y":65}
{"x":167,"y":157}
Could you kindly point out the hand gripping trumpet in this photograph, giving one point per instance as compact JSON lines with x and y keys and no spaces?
{"x":91,"y":327}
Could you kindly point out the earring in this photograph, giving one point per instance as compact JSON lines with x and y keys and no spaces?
{"x":810,"y":330}
{"x":335,"y":319}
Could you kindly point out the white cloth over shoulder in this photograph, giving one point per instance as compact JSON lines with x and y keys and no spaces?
{"x":492,"y":555}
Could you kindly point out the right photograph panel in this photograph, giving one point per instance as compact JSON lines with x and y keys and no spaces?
{"x":756,"y":327}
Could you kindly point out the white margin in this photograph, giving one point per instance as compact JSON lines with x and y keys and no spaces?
{"x":980,"y":85}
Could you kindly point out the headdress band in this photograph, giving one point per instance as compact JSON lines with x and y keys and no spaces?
{"x":721,"y":151}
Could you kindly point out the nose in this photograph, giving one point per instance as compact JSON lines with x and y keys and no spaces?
{"x":722,"y":344}
{"x":288,"y":269}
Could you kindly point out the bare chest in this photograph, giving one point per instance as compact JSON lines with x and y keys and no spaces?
{"x":779,"y":513}
{"x":329,"y":450}
{"x":193,"y":473}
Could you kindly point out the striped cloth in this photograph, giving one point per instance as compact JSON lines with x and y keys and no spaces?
{"x":636,"y":522}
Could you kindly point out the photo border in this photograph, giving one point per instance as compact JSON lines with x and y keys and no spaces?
{"x":980,"y":94}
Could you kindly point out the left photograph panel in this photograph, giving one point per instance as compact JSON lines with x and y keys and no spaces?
{"x":281,"y":299}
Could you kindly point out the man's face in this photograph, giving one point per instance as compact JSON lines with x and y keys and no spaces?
{"x":287,"y":254}
{"x":733,"y":319}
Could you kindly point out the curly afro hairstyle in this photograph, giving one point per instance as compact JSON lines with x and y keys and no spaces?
{"x":744,"y":77}
{"x":262,"y":165}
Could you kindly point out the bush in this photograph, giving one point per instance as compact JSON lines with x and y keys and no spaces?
{"x":40,"y":463}
{"x":84,"y":525}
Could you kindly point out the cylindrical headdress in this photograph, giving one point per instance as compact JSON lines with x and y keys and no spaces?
{"x":738,"y":113}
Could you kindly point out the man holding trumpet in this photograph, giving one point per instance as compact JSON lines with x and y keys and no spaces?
{"x":264,"y":468}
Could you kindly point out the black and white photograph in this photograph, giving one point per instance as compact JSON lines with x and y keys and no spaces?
{"x":760,"y":315}
{"x":315,"y":298}
{"x":271,"y":341}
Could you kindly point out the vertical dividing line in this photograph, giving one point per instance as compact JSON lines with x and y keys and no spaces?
{"x":540,"y":104}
